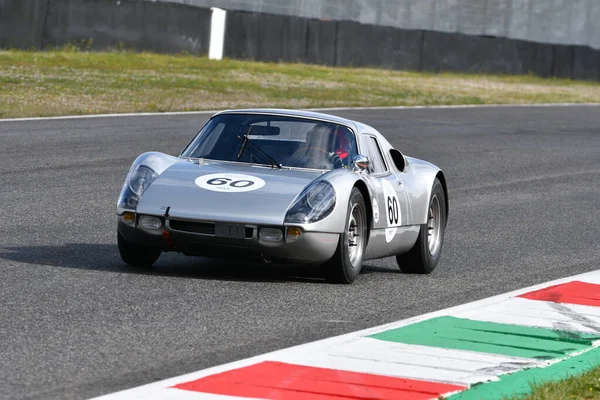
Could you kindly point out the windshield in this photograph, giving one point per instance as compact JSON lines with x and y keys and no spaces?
{"x":274,"y":140}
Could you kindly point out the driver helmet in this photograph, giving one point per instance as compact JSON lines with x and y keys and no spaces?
{"x":343,"y":142}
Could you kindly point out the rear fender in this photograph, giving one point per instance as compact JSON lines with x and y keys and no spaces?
{"x":419,"y":177}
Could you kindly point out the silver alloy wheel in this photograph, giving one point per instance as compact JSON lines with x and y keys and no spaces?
{"x":434,"y":225}
{"x":355,"y":237}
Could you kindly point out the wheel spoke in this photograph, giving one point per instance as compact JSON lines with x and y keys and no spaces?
{"x":354,"y":243}
{"x":434,"y":225}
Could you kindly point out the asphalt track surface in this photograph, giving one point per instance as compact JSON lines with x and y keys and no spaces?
{"x":75,"y":322}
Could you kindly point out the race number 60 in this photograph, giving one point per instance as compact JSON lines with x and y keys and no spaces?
{"x":393,"y":210}
{"x":242,"y":183}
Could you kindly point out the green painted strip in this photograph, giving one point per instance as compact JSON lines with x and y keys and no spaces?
{"x":490,"y":337}
{"x":519,"y":383}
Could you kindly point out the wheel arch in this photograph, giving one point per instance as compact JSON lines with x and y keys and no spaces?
{"x":442,"y":178}
{"x":364,"y":190}
{"x":419,"y":179}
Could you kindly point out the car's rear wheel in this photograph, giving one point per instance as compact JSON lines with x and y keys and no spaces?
{"x":425,"y":254}
{"x":136,"y":255}
{"x":346,"y":263}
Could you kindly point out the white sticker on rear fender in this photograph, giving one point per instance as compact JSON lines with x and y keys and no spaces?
{"x":375,"y":210}
{"x":390,"y":233}
{"x":229,"y":183}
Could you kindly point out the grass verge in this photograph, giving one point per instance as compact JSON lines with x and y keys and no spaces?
{"x":69,"y":81}
{"x":584,"y":386}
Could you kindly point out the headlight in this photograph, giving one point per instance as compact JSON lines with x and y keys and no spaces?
{"x":135,"y":185}
{"x":141,"y":179}
{"x":314,"y":203}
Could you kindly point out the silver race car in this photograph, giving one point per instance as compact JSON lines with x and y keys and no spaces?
{"x":285,"y":186}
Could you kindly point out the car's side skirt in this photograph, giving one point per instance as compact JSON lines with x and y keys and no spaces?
{"x":391,"y":241}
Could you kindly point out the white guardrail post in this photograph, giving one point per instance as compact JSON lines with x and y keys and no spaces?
{"x":217,"y":34}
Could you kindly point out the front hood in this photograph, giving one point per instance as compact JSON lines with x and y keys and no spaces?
{"x":220,"y":191}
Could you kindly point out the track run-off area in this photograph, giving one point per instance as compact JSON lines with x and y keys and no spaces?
{"x":77,"y":323}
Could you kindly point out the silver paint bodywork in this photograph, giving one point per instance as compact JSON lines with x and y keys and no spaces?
{"x":174,"y":196}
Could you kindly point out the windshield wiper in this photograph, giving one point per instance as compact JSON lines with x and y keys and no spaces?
{"x":247,"y":144}
{"x":244,"y":143}
{"x":255,"y":148}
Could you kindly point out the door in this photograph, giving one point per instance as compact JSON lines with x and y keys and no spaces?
{"x":390,"y":207}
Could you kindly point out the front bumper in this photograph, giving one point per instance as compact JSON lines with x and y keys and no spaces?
{"x":238,"y":241}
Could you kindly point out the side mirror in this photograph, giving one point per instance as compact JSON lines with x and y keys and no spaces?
{"x":360,"y":162}
{"x":399,"y":160}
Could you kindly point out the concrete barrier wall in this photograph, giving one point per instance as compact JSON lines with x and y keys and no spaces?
{"x":100,"y":24}
{"x":169,"y":27}
{"x":570,"y":22}
{"x":159,"y":27}
{"x":22,"y":23}
{"x":264,"y":37}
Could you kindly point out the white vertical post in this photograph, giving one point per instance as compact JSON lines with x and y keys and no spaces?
{"x":217,"y":34}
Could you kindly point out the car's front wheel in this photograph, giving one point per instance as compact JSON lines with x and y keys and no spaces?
{"x":136,"y":255}
{"x":346,"y":263}
{"x":425,"y":254}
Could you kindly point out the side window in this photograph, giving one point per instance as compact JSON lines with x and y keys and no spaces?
{"x":377,"y":163}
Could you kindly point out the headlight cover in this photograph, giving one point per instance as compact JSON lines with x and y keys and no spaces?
{"x":136,"y":183}
{"x":314,"y":203}
{"x":141,"y":179}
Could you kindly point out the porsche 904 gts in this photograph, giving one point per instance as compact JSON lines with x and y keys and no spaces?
{"x":285,"y":186}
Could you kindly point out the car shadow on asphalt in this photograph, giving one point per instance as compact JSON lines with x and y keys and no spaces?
{"x":105,"y":257}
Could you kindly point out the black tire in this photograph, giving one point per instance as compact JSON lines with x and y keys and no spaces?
{"x":136,"y":255}
{"x":345,"y":265}
{"x":420,"y":259}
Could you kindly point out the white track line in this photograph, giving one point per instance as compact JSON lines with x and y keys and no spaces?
{"x":327,"y":350}
{"x":378,"y":357}
{"x":541,"y":314}
{"x":183,"y":113}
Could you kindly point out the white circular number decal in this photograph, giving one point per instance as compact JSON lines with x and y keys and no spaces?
{"x":392,"y":210}
{"x":230,"y":183}
{"x":392,"y":204}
